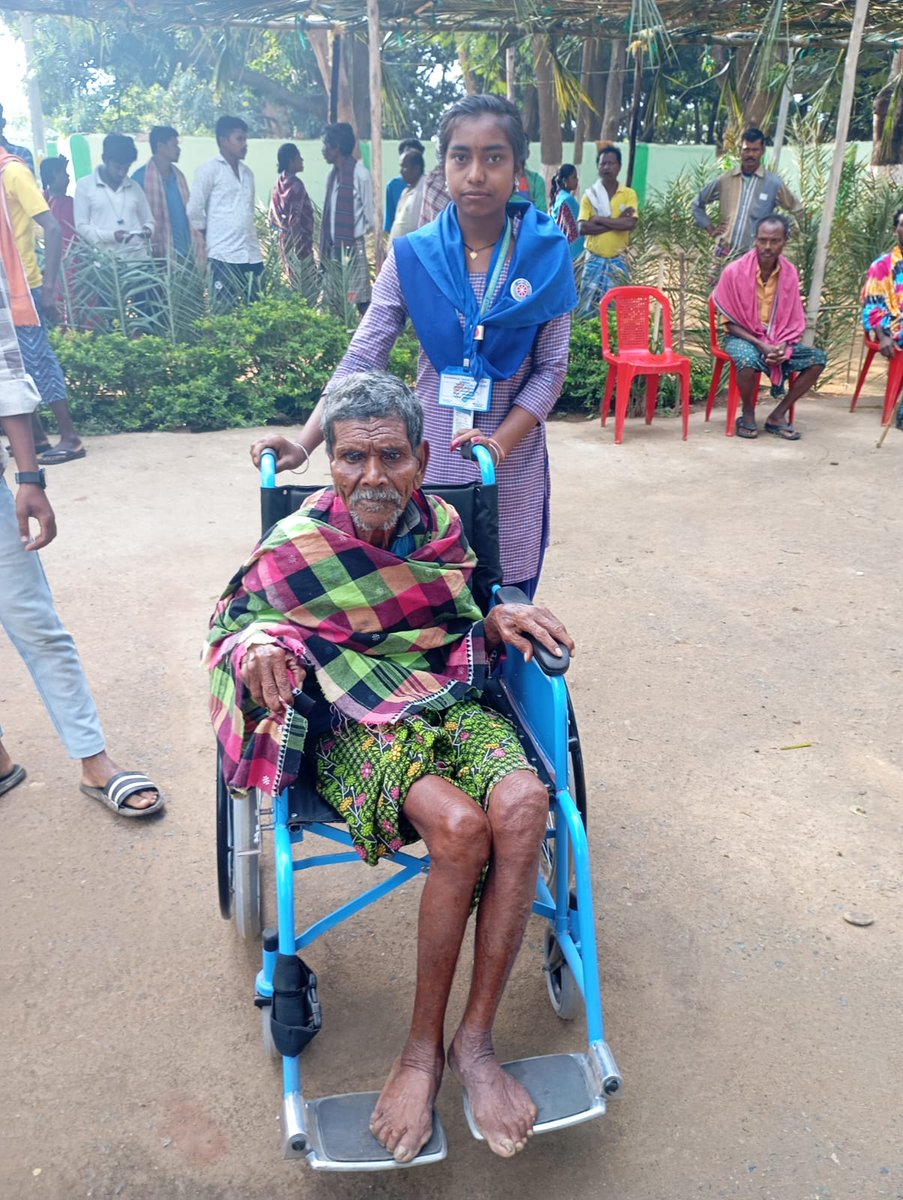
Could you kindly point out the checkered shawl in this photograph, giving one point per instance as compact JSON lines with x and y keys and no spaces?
{"x":385,"y":636}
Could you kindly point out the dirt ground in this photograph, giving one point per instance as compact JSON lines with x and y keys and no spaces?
{"x":737,"y":609}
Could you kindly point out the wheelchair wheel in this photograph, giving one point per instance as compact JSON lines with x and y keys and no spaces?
{"x":238,"y":858}
{"x":564,"y":994}
{"x":577,"y":788}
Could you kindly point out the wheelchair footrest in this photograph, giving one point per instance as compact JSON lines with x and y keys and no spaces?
{"x":340,"y":1138}
{"x":563,"y":1087}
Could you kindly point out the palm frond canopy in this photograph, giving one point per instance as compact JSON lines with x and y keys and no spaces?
{"x":813,"y":24}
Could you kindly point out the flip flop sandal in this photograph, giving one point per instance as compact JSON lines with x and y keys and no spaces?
{"x":55,"y":455}
{"x":12,"y":779}
{"x":746,"y":431}
{"x":785,"y":431}
{"x":118,"y":789}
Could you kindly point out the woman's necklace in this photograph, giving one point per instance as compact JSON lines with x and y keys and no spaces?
{"x":473,"y":251}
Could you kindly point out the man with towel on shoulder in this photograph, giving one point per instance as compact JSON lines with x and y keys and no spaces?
{"x":608,"y":214}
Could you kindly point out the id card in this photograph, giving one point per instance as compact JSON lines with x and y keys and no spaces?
{"x":458,"y":390}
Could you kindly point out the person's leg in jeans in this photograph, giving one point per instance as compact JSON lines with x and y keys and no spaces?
{"x":31,"y":622}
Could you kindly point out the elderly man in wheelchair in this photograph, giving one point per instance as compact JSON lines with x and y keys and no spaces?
{"x":359,"y":604}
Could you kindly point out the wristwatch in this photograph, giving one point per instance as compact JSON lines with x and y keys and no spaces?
{"x":32,"y":477}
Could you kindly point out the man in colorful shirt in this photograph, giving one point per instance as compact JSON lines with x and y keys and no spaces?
{"x":393,"y":658}
{"x":746,"y":194}
{"x":882,"y":296}
{"x":166,"y":189}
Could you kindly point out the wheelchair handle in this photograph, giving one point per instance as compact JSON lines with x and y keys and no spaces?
{"x":550,"y":663}
{"x":268,"y":469}
{"x":482,"y":457}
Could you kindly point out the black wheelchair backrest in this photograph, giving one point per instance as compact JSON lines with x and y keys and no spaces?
{"x":476,"y":504}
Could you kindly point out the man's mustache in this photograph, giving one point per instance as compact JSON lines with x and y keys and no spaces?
{"x":371,"y":493}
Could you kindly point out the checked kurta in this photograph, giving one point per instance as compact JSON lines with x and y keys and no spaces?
{"x":385,"y":635}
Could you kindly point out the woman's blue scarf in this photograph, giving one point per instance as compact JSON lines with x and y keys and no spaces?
{"x":436,"y":287}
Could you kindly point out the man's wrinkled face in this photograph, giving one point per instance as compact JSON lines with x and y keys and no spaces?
{"x":750,"y":156}
{"x":375,"y":471}
{"x":770,"y":243}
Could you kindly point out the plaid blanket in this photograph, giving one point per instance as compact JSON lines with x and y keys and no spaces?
{"x":385,"y":636}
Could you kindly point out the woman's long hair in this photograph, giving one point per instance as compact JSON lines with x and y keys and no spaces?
{"x":565,"y":171}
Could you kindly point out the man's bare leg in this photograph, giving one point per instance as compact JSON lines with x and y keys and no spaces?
{"x":748,"y":384}
{"x":803,"y":382}
{"x":69,"y":439}
{"x":457,"y":835}
{"x":502,"y":1108}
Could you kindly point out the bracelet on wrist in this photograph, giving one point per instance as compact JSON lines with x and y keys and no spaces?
{"x":301,"y":470}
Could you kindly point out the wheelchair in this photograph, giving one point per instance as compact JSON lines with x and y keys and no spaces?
{"x":332,"y":1133}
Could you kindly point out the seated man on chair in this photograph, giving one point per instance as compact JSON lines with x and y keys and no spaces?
{"x":882,"y":296}
{"x":363,"y":597}
{"x":759,"y":296}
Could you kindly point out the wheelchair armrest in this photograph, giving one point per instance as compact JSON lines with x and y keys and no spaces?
{"x":550,"y":664}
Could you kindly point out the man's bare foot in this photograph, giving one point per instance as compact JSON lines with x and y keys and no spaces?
{"x":502,"y":1108}
{"x":403,"y":1118}
{"x":99,"y":769}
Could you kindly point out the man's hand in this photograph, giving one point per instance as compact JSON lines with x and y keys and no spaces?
{"x":775,"y":353}
{"x":289,"y":455}
{"x":509,"y":622}
{"x":715,"y":231}
{"x":50,"y":309}
{"x":271,"y":674}
{"x":886,"y":344}
{"x":121,"y":235}
{"x":32,"y":504}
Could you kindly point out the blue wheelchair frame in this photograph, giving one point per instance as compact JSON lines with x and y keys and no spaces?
{"x":540,"y":703}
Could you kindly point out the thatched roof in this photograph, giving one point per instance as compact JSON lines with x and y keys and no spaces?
{"x":733,"y":20}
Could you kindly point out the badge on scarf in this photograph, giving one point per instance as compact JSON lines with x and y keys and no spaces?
{"x":521,"y":288}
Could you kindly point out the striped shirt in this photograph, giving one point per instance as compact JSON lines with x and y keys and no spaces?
{"x":744,"y":200}
{"x":523,"y":477}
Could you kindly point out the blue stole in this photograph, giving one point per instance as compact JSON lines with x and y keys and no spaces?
{"x":436,"y":288}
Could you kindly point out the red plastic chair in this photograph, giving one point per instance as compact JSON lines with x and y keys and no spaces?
{"x":722,"y":359}
{"x":632,"y":318}
{"x":894,"y":379}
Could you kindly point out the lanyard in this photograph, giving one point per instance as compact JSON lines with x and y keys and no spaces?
{"x":473,"y":327}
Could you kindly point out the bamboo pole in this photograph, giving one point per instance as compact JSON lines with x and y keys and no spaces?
{"x":376,"y":123}
{"x":840,"y":146}
{"x":783,"y":110}
{"x":510,"y":73}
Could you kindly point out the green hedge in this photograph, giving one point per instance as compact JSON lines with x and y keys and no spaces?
{"x":267,"y":362}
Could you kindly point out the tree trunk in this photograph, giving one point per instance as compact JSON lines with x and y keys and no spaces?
{"x":887,"y":152}
{"x":530,"y":112}
{"x":549,"y":115}
{"x":583,"y":112}
{"x":634,"y":122}
{"x":614,"y":92}
{"x":470,"y":80}
{"x":360,"y":84}
{"x":324,"y":49}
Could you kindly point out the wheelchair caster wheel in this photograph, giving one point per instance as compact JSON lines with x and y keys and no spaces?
{"x":564,"y":994}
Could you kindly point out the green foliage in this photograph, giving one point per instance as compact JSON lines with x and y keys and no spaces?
{"x":266,"y":361}
{"x":584,"y":386}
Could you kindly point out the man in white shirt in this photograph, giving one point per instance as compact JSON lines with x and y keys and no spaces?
{"x":221,"y":207}
{"x":111,"y":210}
{"x":407,"y":213}
{"x":348,"y":215}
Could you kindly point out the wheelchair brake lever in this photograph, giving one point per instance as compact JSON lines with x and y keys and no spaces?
{"x":302,"y":703}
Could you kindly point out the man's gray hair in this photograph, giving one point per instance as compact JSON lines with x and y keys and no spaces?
{"x":367,"y":394}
